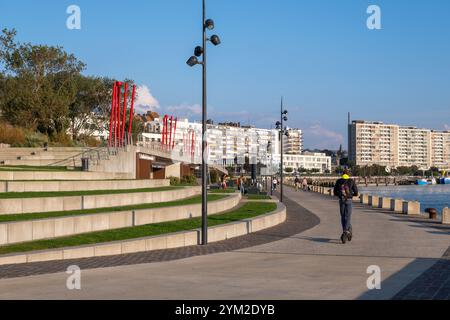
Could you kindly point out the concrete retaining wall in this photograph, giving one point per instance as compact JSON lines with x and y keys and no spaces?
{"x":57,"y":186}
{"x":62,"y":175}
{"x":34,"y":205}
{"x":22,"y":231}
{"x":174,"y":240}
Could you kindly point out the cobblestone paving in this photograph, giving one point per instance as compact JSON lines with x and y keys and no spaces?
{"x":433,"y":284}
{"x":298,"y":220}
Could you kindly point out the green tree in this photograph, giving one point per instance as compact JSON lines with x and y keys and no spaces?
{"x":39,"y":84}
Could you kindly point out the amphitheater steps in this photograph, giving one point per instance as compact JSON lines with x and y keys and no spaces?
{"x":30,"y":230}
{"x":81,"y":185}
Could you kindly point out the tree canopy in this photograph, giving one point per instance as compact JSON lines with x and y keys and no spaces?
{"x":42,"y":88}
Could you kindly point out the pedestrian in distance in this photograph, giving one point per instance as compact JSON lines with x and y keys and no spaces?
{"x":305,"y":184}
{"x":297,"y":183}
{"x":275,"y":182}
{"x":345,"y":189}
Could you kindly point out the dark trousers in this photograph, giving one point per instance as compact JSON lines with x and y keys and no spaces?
{"x":346,"y":214}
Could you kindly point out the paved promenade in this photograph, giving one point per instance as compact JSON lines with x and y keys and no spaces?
{"x":302,"y":259}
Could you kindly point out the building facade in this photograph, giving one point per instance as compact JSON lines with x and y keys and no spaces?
{"x":397,"y":146}
{"x":293,"y":143}
{"x":230,"y":144}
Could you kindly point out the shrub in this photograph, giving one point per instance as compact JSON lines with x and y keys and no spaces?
{"x":190,"y":180}
{"x":9,"y":134}
{"x":62,"y":140}
{"x":174,"y":181}
{"x":34,"y":139}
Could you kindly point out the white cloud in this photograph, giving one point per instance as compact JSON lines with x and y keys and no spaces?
{"x":446,"y":127}
{"x":185,"y":110}
{"x":145,"y":100}
{"x":321,"y":138}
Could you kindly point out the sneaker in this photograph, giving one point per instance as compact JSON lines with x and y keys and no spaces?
{"x":344,"y":237}
{"x":349,"y":235}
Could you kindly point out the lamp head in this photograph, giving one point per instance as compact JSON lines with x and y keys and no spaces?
{"x":198,"y":51}
{"x":215,"y":40}
{"x":192,"y":61}
{"x":209,"y":24}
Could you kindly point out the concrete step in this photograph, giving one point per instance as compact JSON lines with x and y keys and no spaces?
{"x":68,"y":203}
{"x":61,"y":175}
{"x":160,"y":242}
{"x":30,"y":230}
{"x":85,"y":185}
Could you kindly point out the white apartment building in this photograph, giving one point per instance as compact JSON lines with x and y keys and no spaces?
{"x":393,"y":145}
{"x":293,"y":143}
{"x":308,"y":161}
{"x":230,"y":144}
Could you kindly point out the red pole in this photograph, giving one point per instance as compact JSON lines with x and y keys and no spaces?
{"x":174,"y":131}
{"x":111,"y":118}
{"x":163,"y":128}
{"x":130,"y":122}
{"x":170,"y":135}
{"x":115,"y":113}
{"x":166,"y":123}
{"x":119,"y":89}
{"x":124,"y":117}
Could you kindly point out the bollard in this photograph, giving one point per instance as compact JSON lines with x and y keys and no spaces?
{"x":385,"y":203}
{"x":411,"y":207}
{"x":446,"y":216}
{"x":397,"y":205}
{"x":375,"y":201}
{"x":432,"y":212}
{"x":364,"y":198}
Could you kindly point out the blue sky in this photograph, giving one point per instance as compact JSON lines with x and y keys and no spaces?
{"x":318,"y":54}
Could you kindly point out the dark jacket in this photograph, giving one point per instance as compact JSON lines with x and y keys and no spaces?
{"x":351,"y":185}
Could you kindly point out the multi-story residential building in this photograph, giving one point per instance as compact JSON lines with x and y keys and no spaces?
{"x":293,"y":143}
{"x":393,"y":145}
{"x":319,"y":161}
{"x":231,"y":143}
{"x":440,"y":149}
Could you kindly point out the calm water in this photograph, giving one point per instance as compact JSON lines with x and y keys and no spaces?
{"x":437,"y":196}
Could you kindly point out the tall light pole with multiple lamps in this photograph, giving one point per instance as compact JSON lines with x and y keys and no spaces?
{"x":207,"y":24}
{"x":283,"y":132}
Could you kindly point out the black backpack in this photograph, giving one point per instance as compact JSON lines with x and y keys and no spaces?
{"x":346,"y":192}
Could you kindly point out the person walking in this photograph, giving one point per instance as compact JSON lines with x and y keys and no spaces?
{"x":305,"y":184}
{"x":275,"y":182}
{"x":297,"y":183}
{"x":242,"y":184}
{"x":345,"y":189}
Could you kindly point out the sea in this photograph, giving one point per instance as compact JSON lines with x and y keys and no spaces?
{"x":429,"y":196}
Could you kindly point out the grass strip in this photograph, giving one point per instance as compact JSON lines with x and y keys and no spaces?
{"x":258,"y":197}
{"x":248,"y":210}
{"x":48,"y":194}
{"x":59,"y":214}
{"x":215,"y":191}
{"x":37,"y":168}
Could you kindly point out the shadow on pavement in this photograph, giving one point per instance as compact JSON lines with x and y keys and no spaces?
{"x":418,"y":280}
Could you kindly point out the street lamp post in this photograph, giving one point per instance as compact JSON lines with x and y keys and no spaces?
{"x":207,"y":24}
{"x":283,"y":132}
